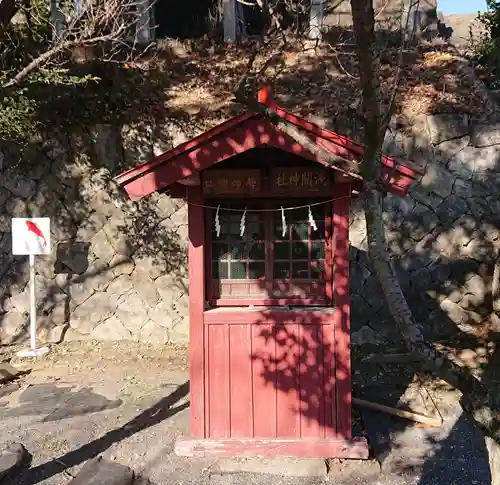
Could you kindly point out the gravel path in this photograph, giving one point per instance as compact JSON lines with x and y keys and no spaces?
{"x":130,"y":402}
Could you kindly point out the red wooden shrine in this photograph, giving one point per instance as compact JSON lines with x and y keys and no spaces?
{"x":269,"y":305}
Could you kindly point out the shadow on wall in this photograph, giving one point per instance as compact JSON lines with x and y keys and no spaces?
{"x":122,"y":263}
{"x":443,"y":242}
{"x":443,"y":237}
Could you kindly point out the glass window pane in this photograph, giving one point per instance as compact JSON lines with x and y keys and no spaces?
{"x":298,"y":215}
{"x":281,"y":271}
{"x":317,"y":250}
{"x":300,"y":231}
{"x":220,"y":270}
{"x":253,"y":217}
{"x":318,"y":270}
{"x":235,"y":216}
{"x":254,"y":231}
{"x":220,"y":251}
{"x":319,"y":233}
{"x":257,"y":251}
{"x":278,"y":231}
{"x":238,"y":271}
{"x":238,"y":251}
{"x":234,"y":231}
{"x":300,"y":250}
{"x":318,"y":211}
{"x":223,"y":231}
{"x":282,"y":250}
{"x":256,"y":270}
{"x":300,"y":270}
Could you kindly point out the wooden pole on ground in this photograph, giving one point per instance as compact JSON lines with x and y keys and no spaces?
{"x":419,"y":418}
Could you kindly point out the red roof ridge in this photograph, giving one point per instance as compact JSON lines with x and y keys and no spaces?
{"x":191,"y":156}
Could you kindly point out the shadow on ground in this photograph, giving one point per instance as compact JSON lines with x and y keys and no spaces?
{"x":162,"y":410}
{"x":454,"y":453}
{"x":57,"y":402}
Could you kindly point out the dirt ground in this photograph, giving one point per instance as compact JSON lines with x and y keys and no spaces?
{"x":129,"y":402}
{"x":123,"y":400}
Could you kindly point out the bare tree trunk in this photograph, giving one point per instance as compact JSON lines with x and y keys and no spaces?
{"x":494,"y":458}
{"x":476,"y":400}
{"x":495,"y":285}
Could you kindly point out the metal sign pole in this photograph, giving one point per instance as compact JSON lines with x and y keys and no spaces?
{"x":31,"y":236}
{"x":33,"y":351}
{"x":32,"y":304}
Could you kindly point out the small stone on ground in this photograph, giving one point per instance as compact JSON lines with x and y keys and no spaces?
{"x":102,"y":472}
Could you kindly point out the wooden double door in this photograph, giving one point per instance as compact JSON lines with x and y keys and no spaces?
{"x":270,"y":373}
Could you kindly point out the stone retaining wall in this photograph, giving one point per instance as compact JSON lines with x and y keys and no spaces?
{"x":443,"y":238}
{"x":118,"y":269}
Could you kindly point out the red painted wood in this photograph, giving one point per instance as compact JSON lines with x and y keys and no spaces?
{"x":328,"y":371}
{"x":209,"y":290}
{"x":221,"y":302}
{"x":287,"y":382}
{"x":196,"y":256}
{"x":342,"y":316}
{"x":307,"y":448}
{"x":329,"y":256}
{"x":310,"y":381}
{"x":267,"y":194}
{"x":264,"y":380}
{"x":280,"y":405}
{"x":206,"y":378}
{"x":240,"y":134}
{"x":183,"y":147}
{"x":219,"y":381}
{"x":267,"y":317}
{"x":342,"y":141}
{"x":329,"y":390}
{"x":240,"y":365}
{"x":252,"y":134}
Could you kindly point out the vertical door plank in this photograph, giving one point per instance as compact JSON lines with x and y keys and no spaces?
{"x":219,"y":397}
{"x":288,"y":403}
{"x":329,"y":381}
{"x":206,"y":354}
{"x":342,"y":314}
{"x":240,"y":365}
{"x":196,"y":259}
{"x":264,"y":380}
{"x":311,"y":391}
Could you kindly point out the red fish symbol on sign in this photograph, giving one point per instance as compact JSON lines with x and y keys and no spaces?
{"x":32,"y":227}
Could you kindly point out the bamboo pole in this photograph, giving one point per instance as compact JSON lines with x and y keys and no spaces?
{"x":419,"y":418}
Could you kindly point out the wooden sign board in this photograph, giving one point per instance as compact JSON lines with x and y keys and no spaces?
{"x":237,"y":182}
{"x":310,"y":179}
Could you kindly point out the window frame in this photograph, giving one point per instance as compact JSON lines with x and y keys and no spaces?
{"x":317,"y":292}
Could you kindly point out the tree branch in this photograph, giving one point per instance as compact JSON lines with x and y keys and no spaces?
{"x":51,"y":54}
{"x":94,"y":23}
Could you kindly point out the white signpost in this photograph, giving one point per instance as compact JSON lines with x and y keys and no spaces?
{"x":31,"y":237}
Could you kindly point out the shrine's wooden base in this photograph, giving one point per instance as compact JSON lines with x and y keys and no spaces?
{"x":356,"y":448}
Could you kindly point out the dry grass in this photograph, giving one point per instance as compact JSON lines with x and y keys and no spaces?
{"x":193,"y":84}
{"x":322,"y":82}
